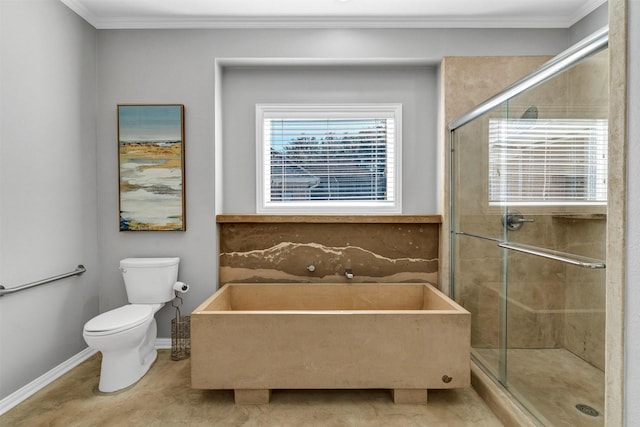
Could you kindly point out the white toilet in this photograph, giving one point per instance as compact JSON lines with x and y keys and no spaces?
{"x":126,"y":335}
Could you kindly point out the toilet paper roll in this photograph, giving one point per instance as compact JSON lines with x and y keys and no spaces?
{"x":181,"y":287}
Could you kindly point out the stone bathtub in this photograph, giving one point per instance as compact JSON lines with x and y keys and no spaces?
{"x":406,"y":337}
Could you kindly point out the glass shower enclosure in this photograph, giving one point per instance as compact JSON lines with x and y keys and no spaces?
{"x":528,"y":220}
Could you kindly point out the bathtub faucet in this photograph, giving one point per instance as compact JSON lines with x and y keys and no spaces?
{"x":348,"y":273}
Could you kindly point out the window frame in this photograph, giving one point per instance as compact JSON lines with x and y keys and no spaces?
{"x":311,"y":111}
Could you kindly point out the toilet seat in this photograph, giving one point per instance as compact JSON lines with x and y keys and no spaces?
{"x":119,"y":319}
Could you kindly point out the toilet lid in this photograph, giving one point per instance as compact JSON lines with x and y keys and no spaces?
{"x":120,"y":319}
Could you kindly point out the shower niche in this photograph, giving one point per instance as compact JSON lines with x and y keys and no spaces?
{"x":528,"y":234}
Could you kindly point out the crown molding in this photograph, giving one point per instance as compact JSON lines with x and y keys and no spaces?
{"x":82,"y":11}
{"x":584,"y":11}
{"x":329,"y":22}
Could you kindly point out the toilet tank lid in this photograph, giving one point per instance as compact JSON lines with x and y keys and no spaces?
{"x":149,"y":262}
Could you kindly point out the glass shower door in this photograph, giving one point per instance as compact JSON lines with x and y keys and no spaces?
{"x":548,"y":168}
{"x":478,"y":262}
{"x":528,"y":208}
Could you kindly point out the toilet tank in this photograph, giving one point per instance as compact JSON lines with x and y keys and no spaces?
{"x":149,"y":280}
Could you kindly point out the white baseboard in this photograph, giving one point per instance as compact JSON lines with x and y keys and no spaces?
{"x":42,"y":381}
{"x":163,"y":344}
{"x":48,"y":377}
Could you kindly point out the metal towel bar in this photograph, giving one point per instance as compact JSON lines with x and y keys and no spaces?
{"x":477,"y":236}
{"x":555,"y":255}
{"x":578,"y":260}
{"x":78,"y":271}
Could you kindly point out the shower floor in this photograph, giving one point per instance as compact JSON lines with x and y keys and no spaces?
{"x":550,"y":383}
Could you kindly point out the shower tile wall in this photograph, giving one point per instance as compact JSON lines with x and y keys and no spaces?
{"x":545,"y":308}
{"x":584,"y":323}
{"x":261,"y":250}
{"x":464,"y":83}
{"x":467,"y":81}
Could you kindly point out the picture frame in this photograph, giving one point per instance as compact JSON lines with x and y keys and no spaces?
{"x":151,"y":184}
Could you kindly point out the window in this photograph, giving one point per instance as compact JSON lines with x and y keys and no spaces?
{"x":547,"y":162}
{"x":328,"y":158}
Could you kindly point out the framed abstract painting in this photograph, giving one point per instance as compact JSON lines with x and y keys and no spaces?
{"x":151,"y":165}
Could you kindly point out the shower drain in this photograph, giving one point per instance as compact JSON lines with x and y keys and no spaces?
{"x":587,"y":410}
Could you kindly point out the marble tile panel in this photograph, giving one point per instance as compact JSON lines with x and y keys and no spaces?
{"x":259,"y":252}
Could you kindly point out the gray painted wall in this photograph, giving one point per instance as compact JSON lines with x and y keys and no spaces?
{"x":47,"y":185}
{"x":177,"y":66}
{"x":415,"y":87}
{"x":589,"y":24}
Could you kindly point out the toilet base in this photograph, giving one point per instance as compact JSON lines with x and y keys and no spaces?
{"x":123,"y":367}
{"x":116,"y":373}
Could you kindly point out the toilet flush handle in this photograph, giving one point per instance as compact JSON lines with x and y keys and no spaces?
{"x":124,"y":270}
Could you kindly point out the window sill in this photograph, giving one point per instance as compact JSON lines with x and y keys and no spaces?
{"x":329,"y":219}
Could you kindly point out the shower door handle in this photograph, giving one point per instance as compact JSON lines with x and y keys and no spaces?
{"x":514,"y":220}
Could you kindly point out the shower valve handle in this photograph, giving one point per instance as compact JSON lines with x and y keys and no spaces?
{"x":514,"y":220}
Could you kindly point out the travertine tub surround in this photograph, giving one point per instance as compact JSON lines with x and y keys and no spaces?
{"x":400,"y":336}
{"x":377,"y":248}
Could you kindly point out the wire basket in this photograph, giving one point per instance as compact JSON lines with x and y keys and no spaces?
{"x":180,"y":337}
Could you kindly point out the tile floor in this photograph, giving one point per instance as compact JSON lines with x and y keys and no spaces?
{"x":551,"y":382}
{"x":164,"y":397}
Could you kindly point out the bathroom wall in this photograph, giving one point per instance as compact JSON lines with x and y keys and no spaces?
{"x":414,"y":86}
{"x":177,"y":66}
{"x":585,"y":234}
{"x":277,"y":249}
{"x":48,"y":197}
{"x":479,"y":274}
{"x":464,"y":83}
{"x":589,"y":24}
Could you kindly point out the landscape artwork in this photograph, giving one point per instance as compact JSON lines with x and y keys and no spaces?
{"x":151,"y":163}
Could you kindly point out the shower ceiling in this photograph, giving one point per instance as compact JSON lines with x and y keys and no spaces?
{"x":332,"y":13}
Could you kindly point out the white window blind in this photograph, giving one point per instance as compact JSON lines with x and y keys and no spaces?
{"x":547,"y":161}
{"x":332,"y":158}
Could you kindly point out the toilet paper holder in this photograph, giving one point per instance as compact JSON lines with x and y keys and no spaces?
{"x":180,"y":326}
{"x":180,"y":287}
